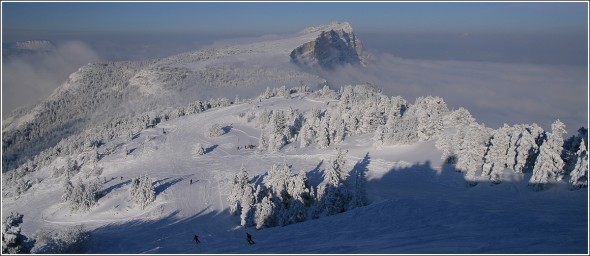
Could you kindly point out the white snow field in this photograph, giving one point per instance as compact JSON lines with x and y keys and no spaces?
{"x":417,"y":203}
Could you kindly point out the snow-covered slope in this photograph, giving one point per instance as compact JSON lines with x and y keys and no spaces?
{"x":417,"y":203}
{"x":101,"y":91}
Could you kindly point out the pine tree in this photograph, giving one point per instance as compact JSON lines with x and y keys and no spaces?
{"x":445,"y":144}
{"x":141,"y":191}
{"x":13,"y":242}
{"x":461,"y":118}
{"x":334,"y":194}
{"x":579,"y":176}
{"x":240,"y":182}
{"x":379,"y":136}
{"x":429,"y":112}
{"x":335,"y":173}
{"x":324,"y":135}
{"x":265,"y":213}
{"x":279,"y":131}
{"x":549,"y":165}
{"x":470,"y":154}
{"x":81,"y":196}
{"x":262,"y":143}
{"x":247,"y":203}
{"x":199,"y":150}
{"x":496,"y":157}
{"x":339,"y":130}
{"x":523,"y":153}
{"x":215,"y":130}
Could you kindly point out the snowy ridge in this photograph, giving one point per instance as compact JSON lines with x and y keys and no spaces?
{"x":335,"y":25}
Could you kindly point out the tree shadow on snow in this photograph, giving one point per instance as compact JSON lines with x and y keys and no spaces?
{"x":359,"y":169}
{"x":210,"y":149}
{"x":226,"y":129}
{"x":163,"y":184}
{"x":316,"y":175}
{"x":454,"y":213}
{"x":170,"y":234}
{"x":113,"y":187}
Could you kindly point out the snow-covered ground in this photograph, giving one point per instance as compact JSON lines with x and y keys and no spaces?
{"x":417,"y":204}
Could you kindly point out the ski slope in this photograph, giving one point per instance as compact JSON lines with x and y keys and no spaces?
{"x":417,"y":204}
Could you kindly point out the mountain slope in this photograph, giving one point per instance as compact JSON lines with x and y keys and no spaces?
{"x":418,"y":204}
{"x":107,"y":91}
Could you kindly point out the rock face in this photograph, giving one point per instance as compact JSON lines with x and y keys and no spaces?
{"x":335,"y":46}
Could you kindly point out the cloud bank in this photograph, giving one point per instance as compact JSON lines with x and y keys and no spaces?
{"x":28,"y":77}
{"x":494,"y":93}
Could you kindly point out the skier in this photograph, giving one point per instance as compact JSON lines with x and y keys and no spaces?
{"x":197,"y":239}
{"x":249,"y":237}
{"x":191,"y":181}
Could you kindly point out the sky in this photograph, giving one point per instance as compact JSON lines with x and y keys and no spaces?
{"x":538,"y":33}
{"x":182,"y":17}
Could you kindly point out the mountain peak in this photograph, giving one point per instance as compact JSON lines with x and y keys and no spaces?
{"x":335,"y":25}
{"x":335,"y":45}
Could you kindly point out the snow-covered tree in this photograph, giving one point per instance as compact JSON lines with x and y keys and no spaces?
{"x":265,"y":213}
{"x":71,"y":168}
{"x":524,"y":147}
{"x":461,"y":118}
{"x":263,"y":118}
{"x":495,"y":161}
{"x":279,"y":132}
{"x":371,"y":118}
{"x":472,"y":150}
{"x":247,"y":203}
{"x":324,"y":135}
{"x":81,"y":196}
{"x":307,"y":133}
{"x":239,"y":184}
{"x":277,"y":179}
{"x":13,"y":241}
{"x":445,"y":144}
{"x":429,"y":112}
{"x":549,"y":165}
{"x":379,"y":136}
{"x":142,"y":191}
{"x":72,"y":240}
{"x":334,"y":193}
{"x":199,"y":150}
{"x":262,"y":143}
{"x":570,"y":148}
{"x":579,"y":176}
{"x":215,"y":130}
{"x":300,"y":189}
{"x":339,"y":128}
{"x":398,"y":107}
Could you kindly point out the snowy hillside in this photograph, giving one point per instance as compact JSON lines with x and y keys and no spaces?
{"x":418,"y":203}
{"x":87,"y":97}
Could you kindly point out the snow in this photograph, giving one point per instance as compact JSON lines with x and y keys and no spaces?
{"x":417,"y":204}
